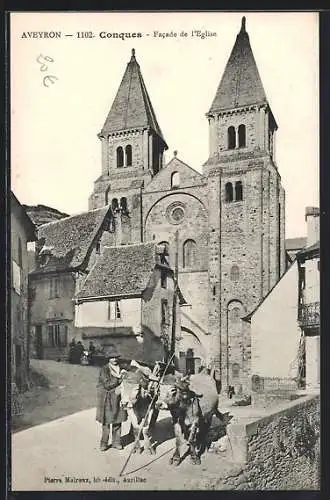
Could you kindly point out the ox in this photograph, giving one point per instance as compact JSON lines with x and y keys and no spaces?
{"x":192,"y":402}
{"x":139,"y":390}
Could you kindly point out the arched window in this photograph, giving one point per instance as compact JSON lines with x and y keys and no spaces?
{"x":189,"y":253}
{"x":175,"y":180}
{"x":107,"y":196}
{"x":120,"y":157}
{"x":123,"y":205}
{"x":238,"y":191}
{"x":114,"y":204}
{"x":229,"y":191}
{"x":231,"y":138}
{"x":241,"y":136}
{"x":234,"y":273}
{"x":128,"y":155}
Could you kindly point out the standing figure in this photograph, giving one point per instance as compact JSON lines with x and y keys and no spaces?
{"x":72,"y":346}
{"x":79,"y":351}
{"x":109,"y":410}
{"x":91,"y":351}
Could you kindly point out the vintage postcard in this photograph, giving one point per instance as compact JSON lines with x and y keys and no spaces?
{"x":165,"y":254}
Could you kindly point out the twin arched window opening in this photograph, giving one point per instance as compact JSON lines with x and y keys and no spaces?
{"x":189,"y":252}
{"x":241,"y":137}
{"x":234,"y":194}
{"x":120,"y":206}
{"x":124,"y":160}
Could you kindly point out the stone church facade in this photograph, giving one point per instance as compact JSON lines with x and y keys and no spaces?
{"x":226,"y":224}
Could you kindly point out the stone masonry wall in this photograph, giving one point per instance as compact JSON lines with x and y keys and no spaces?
{"x":278,"y":452}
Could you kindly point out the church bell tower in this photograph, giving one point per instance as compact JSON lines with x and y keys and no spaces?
{"x":247,"y":209}
{"x":132,"y":153}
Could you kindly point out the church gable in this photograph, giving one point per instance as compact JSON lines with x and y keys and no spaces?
{"x":175,"y":175}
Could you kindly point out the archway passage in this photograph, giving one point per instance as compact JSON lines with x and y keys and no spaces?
{"x":191,"y":352}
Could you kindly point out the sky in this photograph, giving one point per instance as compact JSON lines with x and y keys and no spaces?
{"x":55,"y":152}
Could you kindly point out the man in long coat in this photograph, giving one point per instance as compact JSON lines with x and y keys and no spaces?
{"x":109,"y":411}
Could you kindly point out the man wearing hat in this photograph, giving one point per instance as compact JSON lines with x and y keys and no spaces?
{"x":109,"y":411}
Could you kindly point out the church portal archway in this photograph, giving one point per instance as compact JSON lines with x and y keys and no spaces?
{"x":191,"y":352}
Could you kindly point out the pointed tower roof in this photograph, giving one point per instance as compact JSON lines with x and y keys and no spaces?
{"x":132,"y":107}
{"x":241,"y":83}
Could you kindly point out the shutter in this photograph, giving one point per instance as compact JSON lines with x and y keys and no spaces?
{"x":63,"y":335}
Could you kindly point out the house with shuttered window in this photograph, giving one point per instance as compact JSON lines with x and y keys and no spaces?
{"x":66,"y":250}
{"x":22,"y":233}
{"x":127,"y":301}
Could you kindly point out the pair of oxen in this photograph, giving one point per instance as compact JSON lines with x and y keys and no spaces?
{"x":192,"y":402}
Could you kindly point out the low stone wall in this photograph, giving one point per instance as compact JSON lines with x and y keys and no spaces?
{"x":279,"y":451}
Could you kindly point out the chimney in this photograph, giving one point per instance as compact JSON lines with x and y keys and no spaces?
{"x":312,"y":217}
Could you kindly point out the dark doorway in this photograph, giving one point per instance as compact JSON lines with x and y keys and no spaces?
{"x":192,"y":363}
{"x":38,"y":342}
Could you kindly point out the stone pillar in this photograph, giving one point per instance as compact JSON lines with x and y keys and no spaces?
{"x":312,"y":363}
{"x":214,"y":298}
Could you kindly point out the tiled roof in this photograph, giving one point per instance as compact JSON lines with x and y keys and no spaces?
{"x":68,"y":241}
{"x":241,"y":84}
{"x":122,"y":270}
{"x":132,"y":106}
{"x":310,"y":252}
{"x":295,"y":243}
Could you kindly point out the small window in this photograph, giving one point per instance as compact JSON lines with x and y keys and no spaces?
{"x":98,"y":248}
{"x":123,"y":205}
{"x":117,"y":309}
{"x":175,"y":180}
{"x":189,"y":253}
{"x":20,"y":257}
{"x":55,"y":339}
{"x":231,"y":138}
{"x":234,"y":273}
{"x":114,"y":310}
{"x":120,"y":157}
{"x":128,"y":155}
{"x":238,"y":191}
{"x":53,"y":288}
{"x":163,"y":278}
{"x":229,"y":192}
{"x":241,"y":136}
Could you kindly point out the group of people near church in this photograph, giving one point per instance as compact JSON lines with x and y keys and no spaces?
{"x":78,"y":353}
